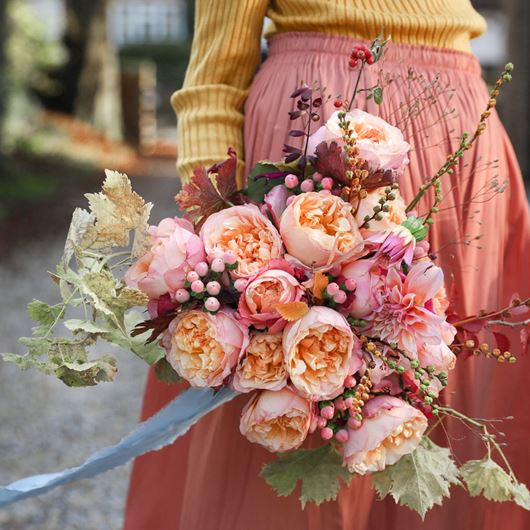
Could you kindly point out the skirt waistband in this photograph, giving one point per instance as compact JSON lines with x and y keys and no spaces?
{"x":308,"y":43}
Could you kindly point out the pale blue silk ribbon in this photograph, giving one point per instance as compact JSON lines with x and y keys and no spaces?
{"x":160,"y":430}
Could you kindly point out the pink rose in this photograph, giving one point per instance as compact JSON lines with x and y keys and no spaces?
{"x":262,"y":366}
{"x":175,"y":250}
{"x":319,"y":230}
{"x":394,"y":217}
{"x":204,"y":348}
{"x":391,"y":428}
{"x":279,"y":421}
{"x":320,"y":351}
{"x":272,"y":285}
{"x":379,"y":143}
{"x":245,"y":231}
{"x":367,"y":276}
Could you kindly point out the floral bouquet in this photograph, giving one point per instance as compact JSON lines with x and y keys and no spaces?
{"x":313,"y":290}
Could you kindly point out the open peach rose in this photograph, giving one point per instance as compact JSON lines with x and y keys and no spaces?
{"x":203,"y":348}
{"x":279,"y":421}
{"x":262,"y":366}
{"x":318,"y":229}
{"x":391,"y":428}
{"x":391,"y":219}
{"x":320,"y":351}
{"x":245,"y":231}
{"x":271,"y":285}
{"x":379,"y":143}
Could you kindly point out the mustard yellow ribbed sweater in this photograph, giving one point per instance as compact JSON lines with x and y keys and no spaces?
{"x":226,"y":52}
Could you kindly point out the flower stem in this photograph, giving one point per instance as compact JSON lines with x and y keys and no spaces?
{"x":487,"y":437}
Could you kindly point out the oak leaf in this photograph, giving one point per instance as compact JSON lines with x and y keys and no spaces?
{"x":292,"y":311}
{"x":320,"y":282}
{"x":118,"y":210}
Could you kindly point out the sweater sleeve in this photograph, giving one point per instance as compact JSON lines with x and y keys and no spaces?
{"x":224,"y":57}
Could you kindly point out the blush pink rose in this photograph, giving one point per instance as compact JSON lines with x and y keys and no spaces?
{"x":245,"y":231}
{"x":379,"y":143}
{"x":320,"y":351}
{"x":368,"y":277}
{"x":204,"y":348}
{"x":319,"y":230}
{"x":279,"y":421}
{"x":391,"y":428}
{"x":272,"y":285}
{"x":176,"y":249}
{"x":394,"y":217}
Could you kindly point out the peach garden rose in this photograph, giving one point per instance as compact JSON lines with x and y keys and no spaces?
{"x":391,"y":428}
{"x":320,"y":352}
{"x":379,"y":143}
{"x":318,"y":229}
{"x":279,"y":421}
{"x":271,"y":285}
{"x":262,"y":366}
{"x":245,"y":231}
{"x":204,"y":348}
{"x":391,"y":219}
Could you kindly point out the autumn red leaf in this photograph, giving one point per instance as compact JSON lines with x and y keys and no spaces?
{"x":502,"y":341}
{"x":329,"y":161}
{"x":209,"y":190}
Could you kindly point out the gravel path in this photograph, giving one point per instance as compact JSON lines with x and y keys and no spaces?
{"x":46,"y":426}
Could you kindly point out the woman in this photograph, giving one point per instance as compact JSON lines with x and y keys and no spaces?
{"x":209,"y":480}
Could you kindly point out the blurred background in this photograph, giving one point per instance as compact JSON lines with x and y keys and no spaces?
{"x":85,"y":85}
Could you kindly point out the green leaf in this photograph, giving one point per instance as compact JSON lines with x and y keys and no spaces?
{"x":80,"y":235}
{"x":416,"y":227}
{"x":149,"y":352}
{"x":88,"y":326}
{"x":420,"y":479}
{"x":128,"y":298}
{"x":257,"y":188}
{"x":165,"y":372}
{"x":486,"y":477}
{"x":378,"y":95}
{"x":318,"y":469}
{"x":521,"y":495}
{"x":46,"y":315}
{"x":81,"y":374}
{"x":101,"y":288}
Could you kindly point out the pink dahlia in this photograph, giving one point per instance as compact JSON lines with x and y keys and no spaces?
{"x":401,"y":316}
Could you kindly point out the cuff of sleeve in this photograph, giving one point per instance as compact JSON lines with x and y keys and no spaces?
{"x":210,"y":120}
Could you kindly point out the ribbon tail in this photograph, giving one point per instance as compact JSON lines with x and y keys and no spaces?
{"x":160,"y":430}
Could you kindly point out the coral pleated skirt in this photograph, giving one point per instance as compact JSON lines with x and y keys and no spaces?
{"x":209,"y":480}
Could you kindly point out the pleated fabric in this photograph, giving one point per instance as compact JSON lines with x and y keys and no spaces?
{"x":209,"y":480}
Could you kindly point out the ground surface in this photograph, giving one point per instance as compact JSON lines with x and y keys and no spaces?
{"x":46,"y":426}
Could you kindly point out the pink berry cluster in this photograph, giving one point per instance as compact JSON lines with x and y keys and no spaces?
{"x":313,"y":183}
{"x":361,"y":53}
{"x":339,"y":289}
{"x":335,"y":417}
{"x":202,"y":283}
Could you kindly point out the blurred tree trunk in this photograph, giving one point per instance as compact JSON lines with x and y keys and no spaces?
{"x":3,"y":66}
{"x":90,"y":79}
{"x":98,"y":98}
{"x":517,"y":113}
